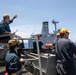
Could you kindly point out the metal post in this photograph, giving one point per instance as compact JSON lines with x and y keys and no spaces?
{"x":55,"y":28}
{"x":39,"y":59}
{"x":38,"y":55}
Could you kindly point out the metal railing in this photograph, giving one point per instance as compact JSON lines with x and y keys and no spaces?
{"x":39,"y":59}
{"x":38,"y":51}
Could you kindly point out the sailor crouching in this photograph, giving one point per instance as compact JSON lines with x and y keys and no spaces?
{"x":12,"y":61}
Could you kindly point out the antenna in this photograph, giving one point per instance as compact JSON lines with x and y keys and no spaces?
{"x":16,"y":31}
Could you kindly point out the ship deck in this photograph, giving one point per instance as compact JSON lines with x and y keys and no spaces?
{"x":2,"y":68}
{"x":24,"y":72}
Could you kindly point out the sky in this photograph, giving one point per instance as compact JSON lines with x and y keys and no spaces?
{"x":31,"y":14}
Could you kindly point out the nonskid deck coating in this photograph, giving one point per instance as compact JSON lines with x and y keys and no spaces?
{"x":24,"y":72}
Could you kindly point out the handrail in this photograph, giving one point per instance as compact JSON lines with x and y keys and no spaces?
{"x":39,"y":59}
{"x":1,"y":35}
{"x":26,"y":38}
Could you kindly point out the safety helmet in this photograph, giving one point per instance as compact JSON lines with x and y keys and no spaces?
{"x":58,"y":34}
{"x":14,"y":42}
{"x":37,"y":34}
{"x":64,"y":30}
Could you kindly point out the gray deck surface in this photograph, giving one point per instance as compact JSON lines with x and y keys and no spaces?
{"x":24,"y":72}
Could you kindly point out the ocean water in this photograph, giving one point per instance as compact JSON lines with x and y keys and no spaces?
{"x":26,"y":45}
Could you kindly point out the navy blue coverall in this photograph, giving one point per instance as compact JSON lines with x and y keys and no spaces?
{"x":35,"y":46}
{"x":4,"y":26}
{"x":12,"y":62}
{"x":65,"y":59}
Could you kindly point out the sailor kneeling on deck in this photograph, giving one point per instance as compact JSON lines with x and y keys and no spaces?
{"x":12,"y":61}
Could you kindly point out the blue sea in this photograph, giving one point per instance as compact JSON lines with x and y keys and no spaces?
{"x":26,"y":45}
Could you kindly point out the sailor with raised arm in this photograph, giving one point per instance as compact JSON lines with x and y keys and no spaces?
{"x":4,"y":25}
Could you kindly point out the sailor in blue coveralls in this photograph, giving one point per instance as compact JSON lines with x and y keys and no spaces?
{"x":35,"y":46}
{"x":12,"y":61}
{"x":4,"y":25}
{"x":5,"y":29}
{"x":65,"y":50}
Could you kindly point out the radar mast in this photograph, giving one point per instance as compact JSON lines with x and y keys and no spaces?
{"x":55,"y":22}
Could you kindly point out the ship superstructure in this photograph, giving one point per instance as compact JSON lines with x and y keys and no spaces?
{"x":45,"y":36}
